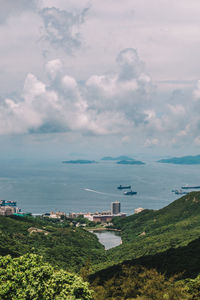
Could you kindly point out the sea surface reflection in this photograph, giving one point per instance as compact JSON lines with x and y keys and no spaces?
{"x":109,"y":239}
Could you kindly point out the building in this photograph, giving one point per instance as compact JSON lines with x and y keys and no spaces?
{"x":115,"y":208}
{"x":102,"y":218}
{"x":106,"y":218}
{"x":8,"y":203}
{"x":75,"y":215}
{"x":56,"y":215}
{"x":138,"y":210}
{"x":8,"y":208}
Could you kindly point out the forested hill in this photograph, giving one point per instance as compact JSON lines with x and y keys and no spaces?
{"x":172,"y":274}
{"x":184,"y":261}
{"x":167,"y":240}
{"x":159,"y":248}
{"x":59,"y":243}
{"x":153,"y":231}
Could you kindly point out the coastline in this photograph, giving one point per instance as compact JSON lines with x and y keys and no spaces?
{"x":102,"y":229}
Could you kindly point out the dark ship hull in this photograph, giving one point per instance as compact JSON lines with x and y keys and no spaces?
{"x":121,"y":187}
{"x":187,"y":187}
{"x":130,"y":193}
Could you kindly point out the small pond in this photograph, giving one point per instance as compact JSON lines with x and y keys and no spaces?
{"x":109,"y":239}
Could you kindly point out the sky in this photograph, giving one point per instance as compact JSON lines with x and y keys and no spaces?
{"x":88,"y":78}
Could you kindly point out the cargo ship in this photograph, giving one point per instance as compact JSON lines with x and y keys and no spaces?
{"x":179,"y":192}
{"x":187,"y":187}
{"x":129,"y":193}
{"x":123,"y":187}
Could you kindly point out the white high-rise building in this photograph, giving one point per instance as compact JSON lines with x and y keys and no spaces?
{"x":115,"y":208}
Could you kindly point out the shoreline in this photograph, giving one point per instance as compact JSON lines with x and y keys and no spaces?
{"x":103,"y":229}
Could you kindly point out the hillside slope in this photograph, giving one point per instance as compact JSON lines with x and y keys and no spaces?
{"x":153,"y":231}
{"x":61,"y":245}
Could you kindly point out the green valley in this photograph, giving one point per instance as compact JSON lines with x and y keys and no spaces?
{"x":160,"y":248}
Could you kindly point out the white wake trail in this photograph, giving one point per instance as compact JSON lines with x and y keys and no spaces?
{"x":101,"y":193}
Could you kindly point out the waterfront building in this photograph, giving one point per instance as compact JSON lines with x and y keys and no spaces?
{"x":56,"y":215}
{"x":102,"y":218}
{"x":8,"y":203}
{"x":8,"y":208}
{"x":75,"y":215}
{"x":115,"y":208}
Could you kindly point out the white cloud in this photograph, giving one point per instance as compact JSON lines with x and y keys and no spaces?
{"x":106,"y":104}
{"x":118,"y":103}
{"x":62,"y":28}
{"x":196,"y":92}
{"x":197,"y":141}
{"x":54,"y":68}
{"x":33,"y":88}
{"x":151,"y":142}
{"x":115,"y":97}
{"x":177,"y":109}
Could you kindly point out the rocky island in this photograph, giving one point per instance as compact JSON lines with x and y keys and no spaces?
{"x":122,"y":157}
{"x":185,"y":160}
{"x":130,"y":162}
{"x":79,"y":161}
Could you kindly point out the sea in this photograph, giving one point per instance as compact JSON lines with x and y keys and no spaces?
{"x":44,"y":186}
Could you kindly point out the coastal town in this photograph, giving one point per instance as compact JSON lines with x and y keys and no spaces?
{"x":9,"y":208}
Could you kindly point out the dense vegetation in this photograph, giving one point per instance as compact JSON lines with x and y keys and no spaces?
{"x":140,"y":283}
{"x":158,"y":259}
{"x":59,"y":243}
{"x":159,"y":242}
{"x":29,"y":277}
{"x":150,"y":232}
{"x":182,"y":260}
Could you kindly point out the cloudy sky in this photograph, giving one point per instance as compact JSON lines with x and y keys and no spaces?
{"x":91,"y":77}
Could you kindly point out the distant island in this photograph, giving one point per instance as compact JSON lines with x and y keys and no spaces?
{"x":122,"y":157}
{"x":185,"y":160}
{"x":130,"y":162}
{"x":79,"y":161}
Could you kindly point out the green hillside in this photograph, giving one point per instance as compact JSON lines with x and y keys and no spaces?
{"x":59,"y":243}
{"x":153,"y":231}
{"x":156,"y":246}
{"x":182,"y":260}
{"x":158,"y":264}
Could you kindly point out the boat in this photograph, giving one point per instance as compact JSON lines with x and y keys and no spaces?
{"x":179,"y":192}
{"x":123,"y":187}
{"x":129,"y":193}
{"x":190,"y":187}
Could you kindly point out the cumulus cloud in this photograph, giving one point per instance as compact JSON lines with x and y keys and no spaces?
{"x":62,"y":28}
{"x":106,"y":104}
{"x":54,"y":68}
{"x":196,"y":92}
{"x":119,"y":103}
{"x":128,"y":90}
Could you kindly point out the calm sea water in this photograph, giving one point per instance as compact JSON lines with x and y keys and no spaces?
{"x":44,"y":187}
{"x":109,"y":239}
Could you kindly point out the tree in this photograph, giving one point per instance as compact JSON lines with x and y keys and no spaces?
{"x":29,"y":277}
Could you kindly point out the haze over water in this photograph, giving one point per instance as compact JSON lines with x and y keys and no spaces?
{"x":44,"y":187}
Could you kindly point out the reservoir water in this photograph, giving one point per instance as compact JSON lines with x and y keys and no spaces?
{"x":109,"y":239}
{"x":40,"y":187}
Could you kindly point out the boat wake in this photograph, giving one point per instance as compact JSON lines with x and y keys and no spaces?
{"x":101,"y":193}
